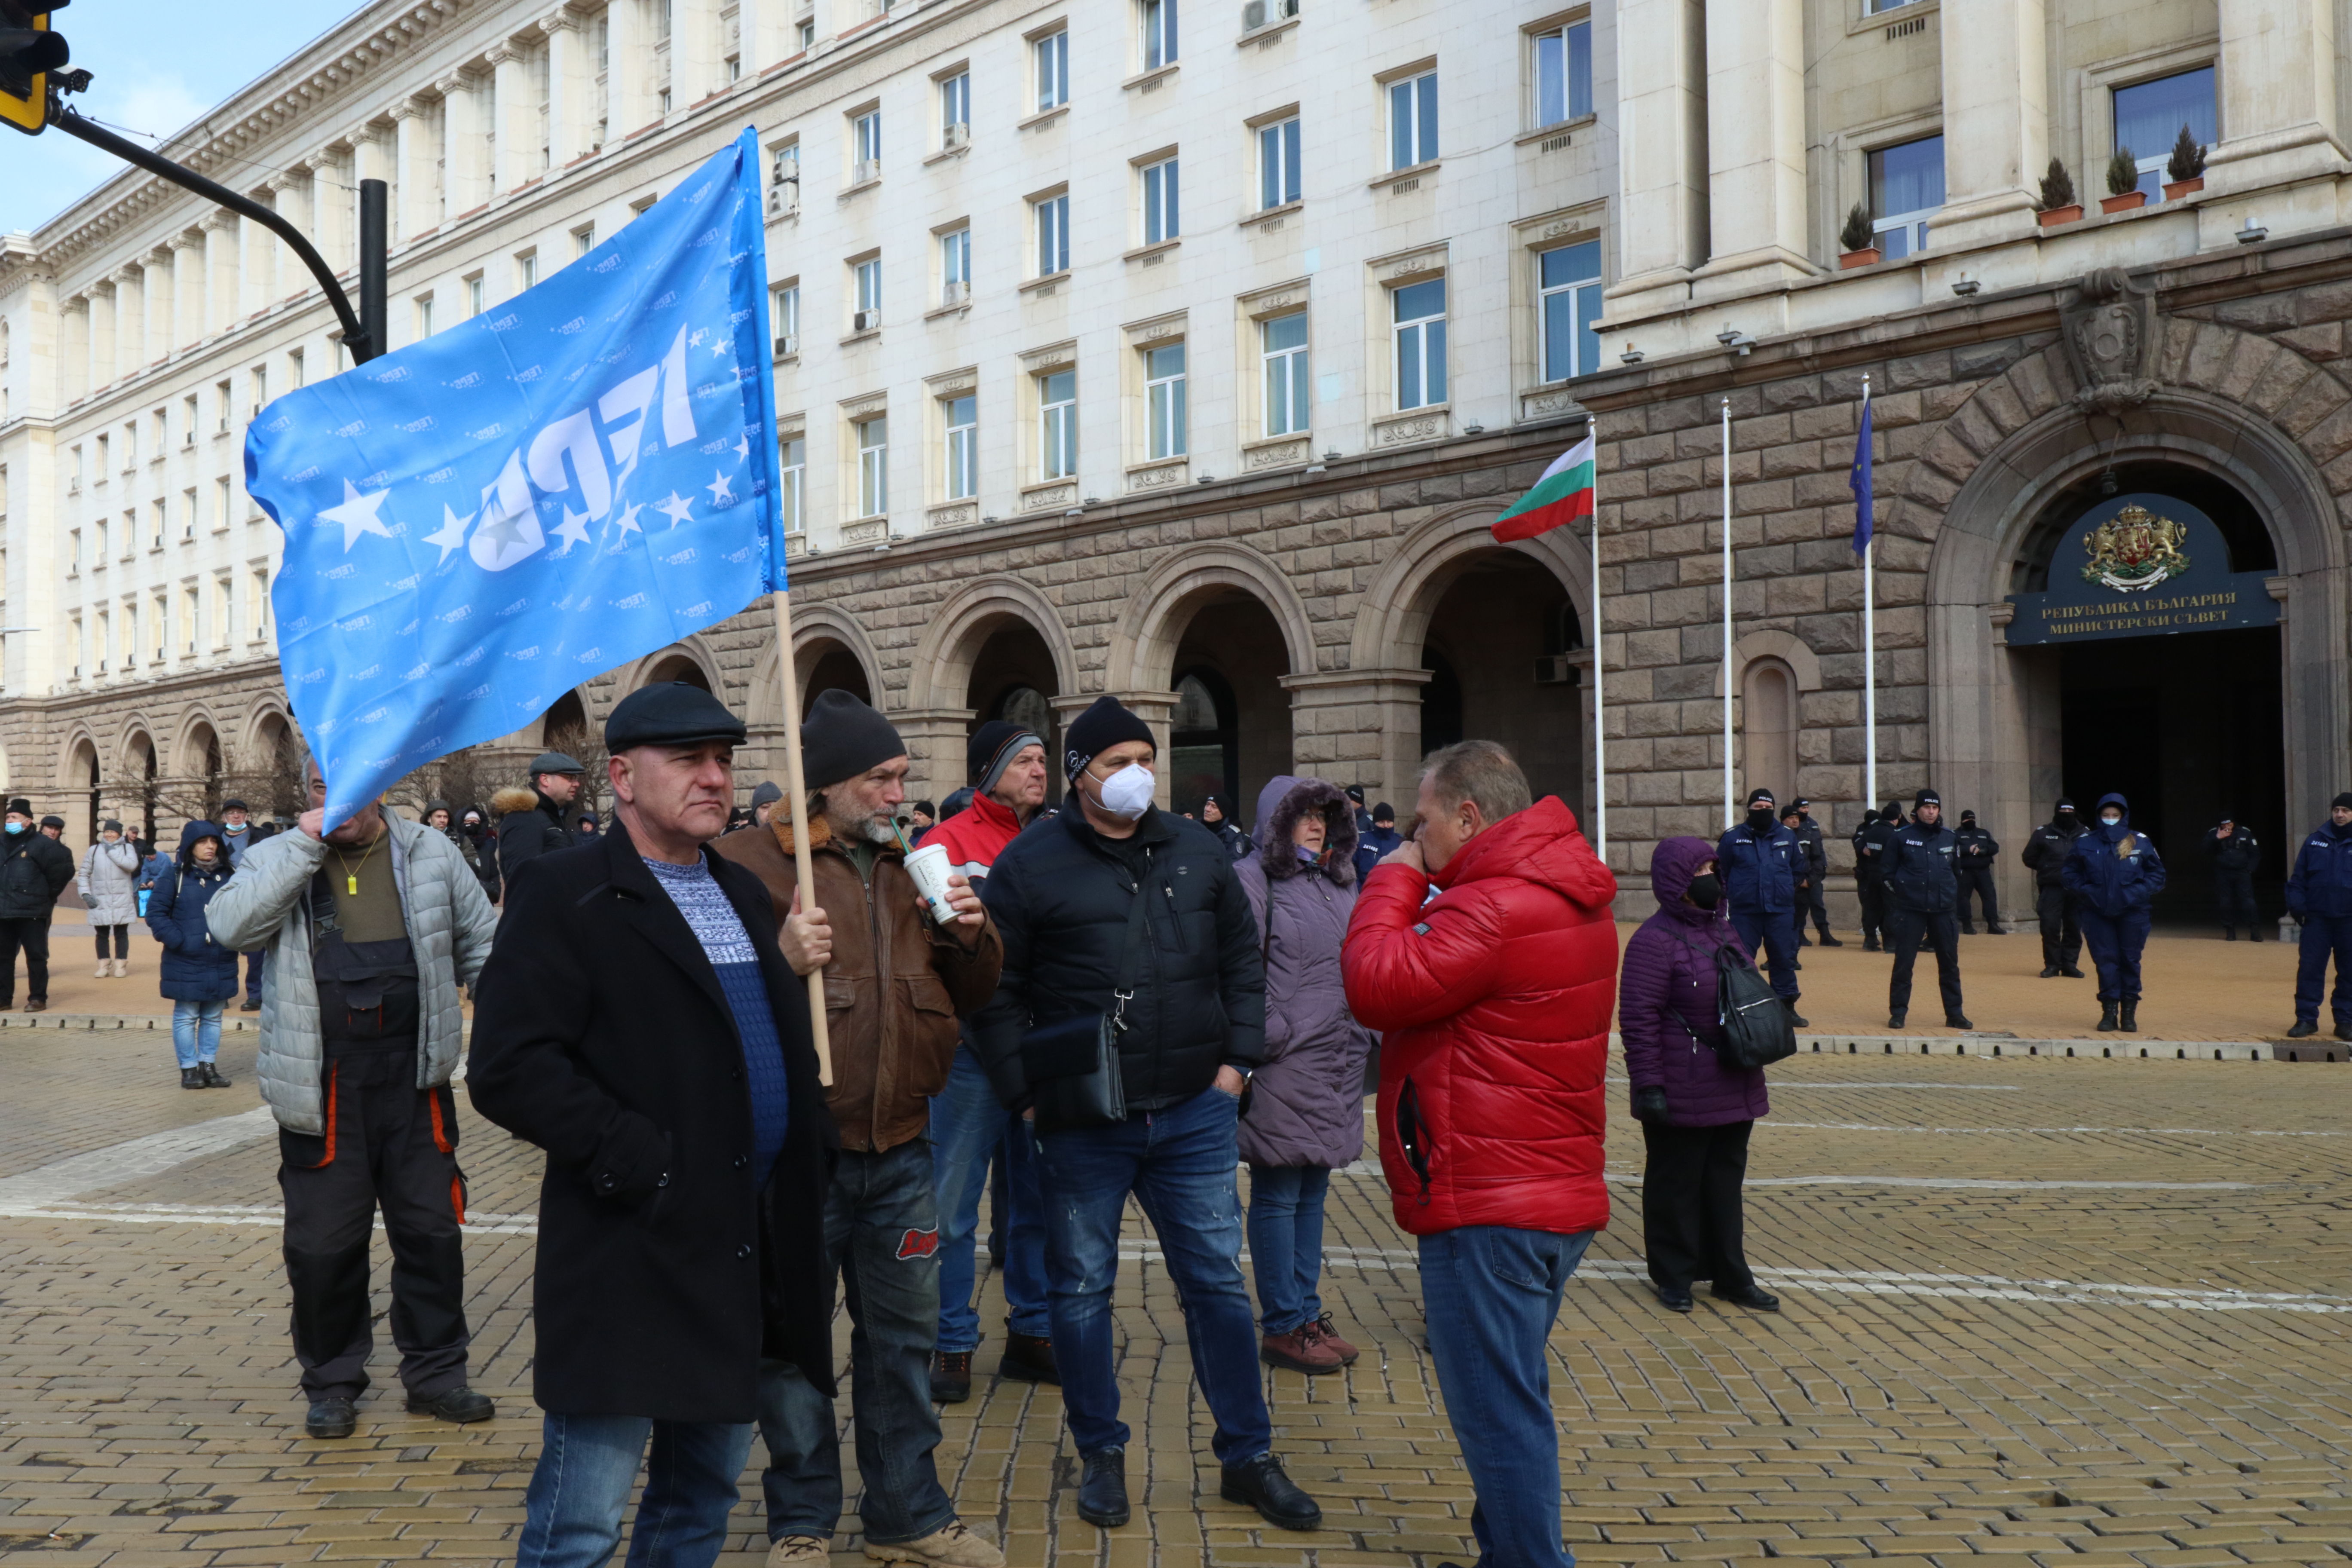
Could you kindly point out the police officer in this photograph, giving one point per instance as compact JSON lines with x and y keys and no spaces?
{"x":1870,"y":841}
{"x":1806,"y":877}
{"x":1760,"y":861}
{"x":2045,"y":856}
{"x":1972,"y":866}
{"x":2114,"y":874}
{"x":2234,"y":853}
{"x":2320,"y":895}
{"x":1817,"y":856}
{"x":1922,"y":900}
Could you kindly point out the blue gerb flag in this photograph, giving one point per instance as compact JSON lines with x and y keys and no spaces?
{"x":573,"y":478}
{"x":1858,"y":481}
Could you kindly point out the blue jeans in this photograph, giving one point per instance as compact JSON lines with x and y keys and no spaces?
{"x":1286,"y":1238}
{"x":571,"y":1514}
{"x":968,"y":1126}
{"x":1490,"y":1294}
{"x":2323,"y":935}
{"x":881,"y":1235}
{"x":196,"y":1031}
{"x":1770,"y":938}
{"x":1179,"y":1161}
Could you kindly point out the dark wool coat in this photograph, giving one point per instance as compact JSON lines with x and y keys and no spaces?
{"x":34,"y":869}
{"x":1665,"y":1000}
{"x":1307,"y":1101}
{"x":602,"y":1035}
{"x":195,"y":968}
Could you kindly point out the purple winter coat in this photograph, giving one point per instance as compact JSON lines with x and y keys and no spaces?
{"x":1307,"y":1101}
{"x":1665,"y":996}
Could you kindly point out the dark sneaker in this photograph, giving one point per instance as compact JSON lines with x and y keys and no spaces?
{"x":1829,"y":940}
{"x":1895,"y":1020}
{"x":950,"y":1377}
{"x":1750,"y":1297}
{"x":1958,"y":1021}
{"x":1673,"y":1300}
{"x":1102,"y":1489}
{"x":331,"y":1418}
{"x":2072,"y":972}
{"x":460,"y":1404}
{"x":2343,"y":1030}
{"x":2049,"y":972}
{"x":250,"y":1004}
{"x":2303,"y":1030}
{"x":1261,"y":1484}
{"x":1029,"y":1358}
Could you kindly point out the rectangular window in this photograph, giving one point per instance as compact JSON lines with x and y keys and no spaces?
{"x":73,"y":550}
{"x":1412,"y":120}
{"x":260,"y":605}
{"x":2150,"y":116}
{"x":1052,"y":235}
{"x":76,"y":481}
{"x":1564,"y":73}
{"x":130,"y":534}
{"x":784,"y":179}
{"x":584,"y":240}
{"x":221,"y":401}
{"x":158,"y":518}
{"x":963,"y":418}
{"x":1161,"y":220}
{"x":873,"y":467}
{"x":1057,"y":425}
{"x":1567,"y":290}
{"x":105,"y":451}
{"x":221,"y":503}
{"x":1907,"y":186}
{"x":1420,"y":343}
{"x":1163,"y":401}
{"x":955,"y":267}
{"x":1159,"y":17}
{"x":792,"y":451}
{"x":188,"y":513}
{"x":1053,"y":59}
{"x":526,"y":270}
{"x":1282,"y":342}
{"x":1277,"y":164}
{"x":130,"y":437}
{"x":223,"y":613}
{"x":424,"y":306}
{"x":955,"y":109}
{"x":158,"y":628}
{"x":188,"y":420}
{"x":191,"y":612}
{"x":295,"y":369}
{"x":100,"y":557}
{"x":473,"y":295}
{"x":784,"y":315}
{"x":866,"y":277}
{"x":866,"y":142}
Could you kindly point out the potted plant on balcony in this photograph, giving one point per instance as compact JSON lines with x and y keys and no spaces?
{"x":2185,"y":171}
{"x":2123,"y":183}
{"x":2058,"y":203}
{"x":1855,"y":247}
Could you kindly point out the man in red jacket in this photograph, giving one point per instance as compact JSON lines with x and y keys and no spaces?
{"x":1484,"y":950}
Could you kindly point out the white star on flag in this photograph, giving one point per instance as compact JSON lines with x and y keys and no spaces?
{"x":357,"y":514}
{"x":676,"y":509}
{"x":721,"y":489}
{"x":628,"y":519}
{"x":743,"y":448}
{"x":573,"y":529}
{"x":451,"y":535}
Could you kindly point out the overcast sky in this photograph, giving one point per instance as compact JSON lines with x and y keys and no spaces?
{"x":158,"y":66}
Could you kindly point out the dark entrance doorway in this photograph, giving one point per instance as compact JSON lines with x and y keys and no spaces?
{"x":1495,"y":653}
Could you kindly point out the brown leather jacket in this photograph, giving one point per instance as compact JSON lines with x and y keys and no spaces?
{"x":893,"y":990}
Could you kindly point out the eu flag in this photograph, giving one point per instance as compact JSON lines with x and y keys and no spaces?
{"x":575,"y":477}
{"x":1859,"y":481}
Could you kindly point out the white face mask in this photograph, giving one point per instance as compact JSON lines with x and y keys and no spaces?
{"x":2110,"y":821}
{"x":1126,"y":794}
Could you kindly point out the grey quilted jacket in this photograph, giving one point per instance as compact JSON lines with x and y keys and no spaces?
{"x":450,"y":924}
{"x":109,"y":882}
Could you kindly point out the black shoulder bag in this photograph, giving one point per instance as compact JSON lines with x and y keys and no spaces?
{"x":1755,"y":1028}
{"x":1073,"y":1063}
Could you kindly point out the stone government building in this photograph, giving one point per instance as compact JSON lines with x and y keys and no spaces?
{"x":1108,"y":475}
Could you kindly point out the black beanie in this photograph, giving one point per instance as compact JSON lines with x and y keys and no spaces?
{"x":2343,"y":800}
{"x":992,"y":750}
{"x":2064,"y":804}
{"x":1098,"y":730}
{"x":842,"y":737}
{"x":1967,"y":816}
{"x":1756,"y":795}
{"x":1927,"y":797}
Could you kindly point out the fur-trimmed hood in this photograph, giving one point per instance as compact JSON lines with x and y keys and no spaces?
{"x":779,"y":823}
{"x":511,"y":799}
{"x":1283,"y":800}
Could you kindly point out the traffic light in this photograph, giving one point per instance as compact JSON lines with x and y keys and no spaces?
{"x":29,"y":51}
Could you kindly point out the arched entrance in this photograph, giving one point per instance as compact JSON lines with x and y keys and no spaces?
{"x":834,"y":669}
{"x":1233,"y":653}
{"x":1014,"y":678}
{"x":679,"y":667}
{"x":1497,"y":645}
{"x":569,"y":717}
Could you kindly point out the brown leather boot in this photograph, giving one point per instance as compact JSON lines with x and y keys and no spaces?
{"x":1300,"y":1350}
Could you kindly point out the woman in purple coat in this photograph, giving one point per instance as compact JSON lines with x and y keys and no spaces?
{"x":1306,"y":1115}
{"x":1696,"y":1112}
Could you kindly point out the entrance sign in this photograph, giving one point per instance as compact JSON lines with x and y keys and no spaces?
{"x":2141,"y":565}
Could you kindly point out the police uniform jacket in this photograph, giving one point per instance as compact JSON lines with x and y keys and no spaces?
{"x":2236,"y":856}
{"x":1975,"y":846}
{"x":1917,"y":866}
{"x":2321,"y":883}
{"x":2045,"y":852}
{"x":1817,"y":858}
{"x":1760,"y":870}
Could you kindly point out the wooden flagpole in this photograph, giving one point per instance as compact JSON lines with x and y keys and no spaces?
{"x":796,"y":801}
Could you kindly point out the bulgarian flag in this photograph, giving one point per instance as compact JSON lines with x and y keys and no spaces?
{"x":1561,"y":495}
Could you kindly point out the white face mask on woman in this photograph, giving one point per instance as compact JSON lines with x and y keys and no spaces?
{"x":1126,"y":794}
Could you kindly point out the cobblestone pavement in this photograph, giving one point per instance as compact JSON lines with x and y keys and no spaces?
{"x":2072,"y":1311}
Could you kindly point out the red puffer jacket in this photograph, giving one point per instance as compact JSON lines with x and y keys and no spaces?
{"x":1494,"y":1000}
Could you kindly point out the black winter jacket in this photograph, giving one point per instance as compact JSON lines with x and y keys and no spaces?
{"x":603,"y":1035}
{"x":1974,"y":847}
{"x":34,"y":869}
{"x":1917,"y":866}
{"x":2045,"y":852}
{"x":1817,"y":857}
{"x":1872,"y":845}
{"x":528,"y":834}
{"x":2236,"y":856}
{"x":1060,"y":895}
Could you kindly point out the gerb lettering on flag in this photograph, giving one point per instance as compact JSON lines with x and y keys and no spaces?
{"x":519,"y":503}
{"x":1562,"y":495}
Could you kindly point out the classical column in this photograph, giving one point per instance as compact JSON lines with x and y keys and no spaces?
{"x":469,"y":157}
{"x":935,"y":740}
{"x":1363,"y":724}
{"x":629,"y":72}
{"x":768,"y":33}
{"x":374,"y":156}
{"x":295,"y":193}
{"x":257,"y":250}
{"x":2277,"y":83}
{"x":1996,"y":119}
{"x":571,"y":89}
{"x":73,"y":358}
{"x":417,"y":189}
{"x":129,"y":320}
{"x":104,"y":306}
{"x":1755,"y":146}
{"x":220,"y":272}
{"x":516,"y":116}
{"x":694,"y":70}
{"x":163,"y":268}
{"x":1661,"y":154}
{"x":332,"y":205}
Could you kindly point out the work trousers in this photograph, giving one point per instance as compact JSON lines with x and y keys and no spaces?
{"x":1817,"y":902}
{"x":1906,"y":930}
{"x":2062,"y":937}
{"x":2324,"y":936}
{"x":1977,"y":879}
{"x":2116,"y":942}
{"x":1872,"y":893}
{"x":1691,"y":1225}
{"x":392,"y":1146}
{"x":2234,"y":891}
{"x":32,"y":938}
{"x":1770,"y":936}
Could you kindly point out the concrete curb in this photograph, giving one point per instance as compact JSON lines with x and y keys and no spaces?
{"x":2133,"y":1047}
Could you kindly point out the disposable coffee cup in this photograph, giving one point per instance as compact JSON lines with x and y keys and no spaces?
{"x":928,"y":866}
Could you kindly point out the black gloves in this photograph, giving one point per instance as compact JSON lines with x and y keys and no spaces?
{"x":1650,"y":1105}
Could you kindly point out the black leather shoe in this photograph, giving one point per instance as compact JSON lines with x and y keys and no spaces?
{"x":460,"y":1404}
{"x":250,"y":1004}
{"x":331,"y":1418}
{"x":1894,"y":1019}
{"x":1030,"y":1359}
{"x":1871,"y":947}
{"x":2049,"y":972}
{"x":1829,"y":940}
{"x":212,"y":1075}
{"x":1261,"y":1484}
{"x":2303,"y":1031}
{"x":1750,"y":1296}
{"x":1673,"y":1300}
{"x":1102,"y":1489}
{"x":2070,"y":972}
{"x":950,"y":1377}
{"x":1958,"y":1021}
{"x":1795,"y":1017}
{"x":1968,"y":930}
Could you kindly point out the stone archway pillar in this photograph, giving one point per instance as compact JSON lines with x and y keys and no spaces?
{"x":1156,"y":708}
{"x":1358,"y":725}
{"x":935,"y":745}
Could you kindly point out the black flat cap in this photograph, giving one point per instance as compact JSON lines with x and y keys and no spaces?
{"x":670,"y":714}
{"x":232,"y":804}
{"x":554,"y":763}
{"x":53,"y":822}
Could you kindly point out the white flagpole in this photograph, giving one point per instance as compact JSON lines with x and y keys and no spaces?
{"x":1729,"y":814}
{"x":1600,"y":725}
{"x":1869,"y":659}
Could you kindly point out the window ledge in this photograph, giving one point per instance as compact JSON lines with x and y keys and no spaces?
{"x":860,"y":187}
{"x":1262,"y":34}
{"x":1869,"y":21}
{"x":961,"y":307}
{"x":1144,"y":82}
{"x":1271,"y":215}
{"x":1562,"y":128}
{"x":1042,"y":118}
{"x":869,"y":335}
{"x":1161,"y":248}
{"x":944,"y":153}
{"x":1046,"y":283}
{"x":1397,"y":177}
